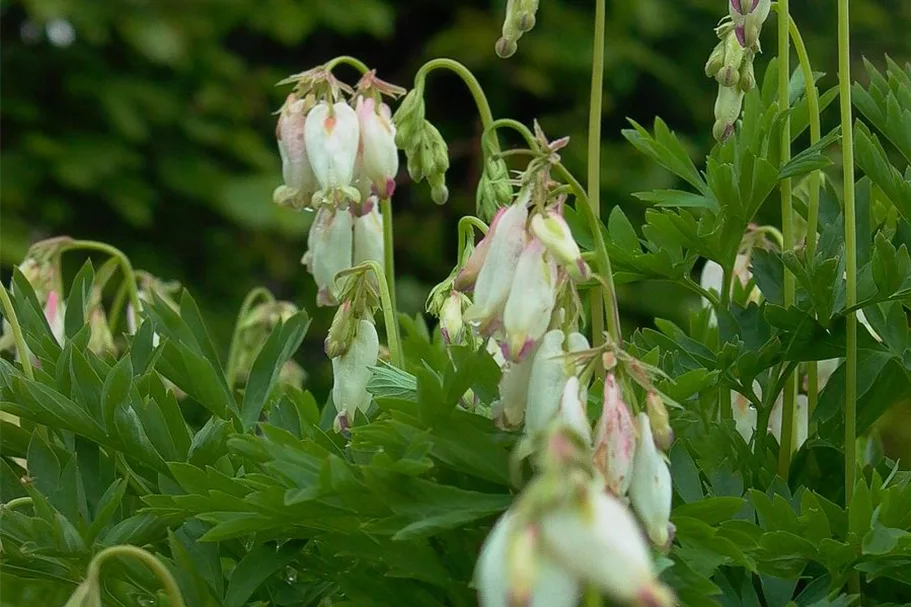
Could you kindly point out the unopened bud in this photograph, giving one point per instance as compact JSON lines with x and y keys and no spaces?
{"x":352,"y":371}
{"x":729,"y":74}
{"x":609,"y":360}
{"x":526,"y":22}
{"x":451,"y":324}
{"x":553,"y":231}
{"x":615,"y":440}
{"x":650,"y":491}
{"x":727,"y":110}
{"x":716,"y":60}
{"x":494,"y":190}
{"x":506,"y":48}
{"x":747,"y":76}
{"x":341,"y":331}
{"x":659,"y":420}
{"x":439,"y":194}
{"x":531,"y":299}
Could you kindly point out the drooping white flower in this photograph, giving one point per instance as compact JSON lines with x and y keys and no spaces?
{"x":495,"y":277}
{"x":451,"y":324}
{"x":573,"y":410}
{"x":599,"y":541}
{"x":553,"y":231}
{"x":380,"y":158}
{"x":330,"y":250}
{"x":650,"y":490}
{"x":531,"y":300}
{"x":535,"y":581}
{"x":615,"y":440}
{"x":545,"y":388}
{"x":292,"y":147}
{"x":352,"y":371}
{"x":332,"y":136}
{"x":514,"y":390}
{"x":368,"y":236}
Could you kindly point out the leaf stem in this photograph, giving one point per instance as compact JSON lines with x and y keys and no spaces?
{"x":234,"y":348}
{"x":21,"y":349}
{"x":167,"y":580}
{"x":844,"y":96}
{"x":129,"y":275}
{"x":787,"y":228}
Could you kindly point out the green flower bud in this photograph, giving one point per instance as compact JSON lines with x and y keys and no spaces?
{"x":727,"y":110}
{"x":716,"y":60}
{"x":494,"y":189}
{"x":342,"y":330}
{"x":734,"y":53}
{"x":409,"y":118}
{"x":747,"y":76}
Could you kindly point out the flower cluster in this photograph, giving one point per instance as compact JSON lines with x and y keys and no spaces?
{"x":520,"y":18}
{"x":731,"y":61}
{"x":340,"y":159}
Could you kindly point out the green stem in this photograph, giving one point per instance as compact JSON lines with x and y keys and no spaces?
{"x":467,"y":225}
{"x":234,"y":349}
{"x":348,"y":60}
{"x":129,"y":275}
{"x":593,"y":597}
{"x":724,"y":394}
{"x":117,"y":305}
{"x":813,"y":184}
{"x":474,"y":86}
{"x":787,"y":225}
{"x":392,"y":325}
{"x":13,"y":321}
{"x":594,"y":165}
{"x":15,"y":503}
{"x":389,"y":253}
{"x":844,"y":95}
{"x":167,"y":580}
{"x":515,"y":125}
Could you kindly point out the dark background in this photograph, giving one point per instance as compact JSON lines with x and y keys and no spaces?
{"x":149,"y":123}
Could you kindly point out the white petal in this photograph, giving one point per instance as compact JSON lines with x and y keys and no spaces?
{"x":352,"y":371}
{"x":531,"y":299}
{"x":545,"y":387}
{"x":650,"y":491}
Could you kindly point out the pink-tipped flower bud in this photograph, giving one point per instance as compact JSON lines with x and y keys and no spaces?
{"x":496,"y":275}
{"x":553,"y":231}
{"x":331,"y":242}
{"x":296,"y":170}
{"x":531,"y":300}
{"x":599,"y":541}
{"x":548,"y":377}
{"x":650,"y":491}
{"x":468,"y":275}
{"x":615,"y":440}
{"x":379,"y":155}
{"x":511,"y":570}
{"x":352,"y":371}
{"x":332,"y":136}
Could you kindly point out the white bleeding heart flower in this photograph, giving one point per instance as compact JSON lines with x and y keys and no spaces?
{"x":379,"y":154}
{"x":492,"y":287}
{"x":352,"y":371}
{"x":553,"y":231}
{"x":615,"y":440}
{"x":296,"y":170}
{"x":599,"y":541}
{"x":330,"y":251}
{"x":531,"y":300}
{"x":650,"y":490}
{"x":545,"y":387}
{"x":510,"y":570}
{"x":332,"y":136}
{"x":368,"y":236}
{"x":514,"y":390}
{"x":573,"y":409}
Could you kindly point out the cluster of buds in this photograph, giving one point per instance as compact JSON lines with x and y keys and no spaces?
{"x":572,"y":525}
{"x":424,"y":146}
{"x":731,"y":61}
{"x":339,"y":158}
{"x":520,"y":18}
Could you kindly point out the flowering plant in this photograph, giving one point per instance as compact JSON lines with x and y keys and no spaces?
{"x":525,"y":451}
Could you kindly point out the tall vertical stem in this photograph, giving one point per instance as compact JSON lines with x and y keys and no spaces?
{"x":844,"y":96}
{"x":724,"y":393}
{"x":787,"y":225}
{"x":389,"y":252}
{"x":594,"y":183}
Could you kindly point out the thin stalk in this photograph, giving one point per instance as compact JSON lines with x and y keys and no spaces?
{"x":392,"y":325}
{"x":129,"y":275}
{"x":812,"y":185}
{"x":348,"y":60}
{"x":724,"y":394}
{"x":467,"y":226}
{"x":474,"y":86}
{"x":593,"y":597}
{"x":234,"y":348}
{"x":389,"y":253}
{"x":518,"y":127}
{"x":844,"y":96}
{"x":787,"y":225}
{"x":21,"y":349}
{"x":594,"y":165}
{"x":15,"y":503}
{"x":161,"y":572}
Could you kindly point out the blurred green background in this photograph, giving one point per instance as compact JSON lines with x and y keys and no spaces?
{"x":149,"y":123}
